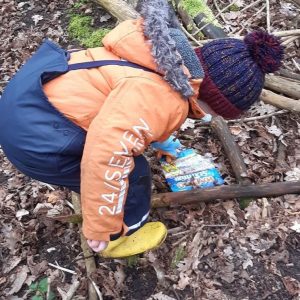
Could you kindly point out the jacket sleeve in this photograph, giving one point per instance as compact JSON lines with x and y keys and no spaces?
{"x":137,"y":112}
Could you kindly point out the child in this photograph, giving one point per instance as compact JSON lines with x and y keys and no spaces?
{"x":82,"y":119}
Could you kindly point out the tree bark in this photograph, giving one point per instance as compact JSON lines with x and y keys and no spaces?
{"x":280,"y":101}
{"x":225,"y":192}
{"x":282,"y":85}
{"x":119,"y":9}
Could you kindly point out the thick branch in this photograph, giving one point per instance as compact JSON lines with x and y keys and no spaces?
{"x":289,"y":74}
{"x":231,"y":148}
{"x":282,"y":85}
{"x":119,"y":9}
{"x":280,"y":101}
{"x":226,"y":192}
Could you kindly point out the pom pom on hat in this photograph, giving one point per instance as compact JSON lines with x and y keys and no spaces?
{"x":235,"y":71}
{"x":265,"y":50}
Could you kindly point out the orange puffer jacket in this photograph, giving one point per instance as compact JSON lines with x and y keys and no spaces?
{"x":123,"y":110}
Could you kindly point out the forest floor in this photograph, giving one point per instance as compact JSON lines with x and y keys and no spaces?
{"x":213,"y":251}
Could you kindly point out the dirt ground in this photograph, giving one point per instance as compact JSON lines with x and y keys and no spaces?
{"x":213,"y":251}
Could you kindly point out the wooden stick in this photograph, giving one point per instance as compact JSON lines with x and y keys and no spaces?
{"x":288,"y":74}
{"x":219,"y":11}
{"x":225,"y":193}
{"x":250,"y":5}
{"x":280,"y":101}
{"x":287,"y":32}
{"x":87,"y":252}
{"x":119,"y":9}
{"x":289,"y":40}
{"x":282,"y":85}
{"x":231,"y":148}
{"x":268,"y":16}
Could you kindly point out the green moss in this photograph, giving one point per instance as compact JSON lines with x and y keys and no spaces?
{"x":79,"y":26}
{"x":80,"y":29}
{"x":95,"y":39}
{"x":132,"y":261}
{"x":234,"y":7}
{"x":79,"y":3}
{"x":180,"y":253}
{"x":195,"y":7}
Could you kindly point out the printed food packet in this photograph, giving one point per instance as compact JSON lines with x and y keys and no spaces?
{"x":190,"y":171}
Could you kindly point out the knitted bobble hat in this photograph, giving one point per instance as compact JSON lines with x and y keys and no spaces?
{"x":235,"y":71}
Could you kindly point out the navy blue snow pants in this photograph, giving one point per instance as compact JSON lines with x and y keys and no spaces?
{"x":43,"y":144}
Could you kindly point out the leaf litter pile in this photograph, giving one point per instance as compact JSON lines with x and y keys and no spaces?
{"x":213,"y":251}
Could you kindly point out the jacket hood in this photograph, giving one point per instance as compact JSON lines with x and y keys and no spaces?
{"x":153,"y":42}
{"x":127,"y":41}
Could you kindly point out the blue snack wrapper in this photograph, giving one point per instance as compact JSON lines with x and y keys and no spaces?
{"x":191,"y":171}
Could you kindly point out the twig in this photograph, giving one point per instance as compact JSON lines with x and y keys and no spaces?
{"x":286,"y":32}
{"x":219,"y":11}
{"x":48,"y":288}
{"x":250,"y":119}
{"x":296,"y":64}
{"x":268,"y":16}
{"x":96,"y":288}
{"x":216,"y":225}
{"x":72,"y":290}
{"x":62,"y":269}
{"x":289,"y":40}
{"x":179,"y":241}
{"x":175,"y":230}
{"x":69,"y":204}
{"x":216,"y":16}
{"x":250,"y":5}
{"x":180,"y":233}
{"x":250,"y":19}
{"x":191,"y":37}
{"x":280,"y":112}
{"x":50,"y":187}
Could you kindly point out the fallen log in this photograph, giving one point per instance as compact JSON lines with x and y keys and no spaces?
{"x":225,"y":192}
{"x":280,"y":101}
{"x":119,"y":9}
{"x":282,"y":85}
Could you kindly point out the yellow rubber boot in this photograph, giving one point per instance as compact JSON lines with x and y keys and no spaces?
{"x":148,"y":237}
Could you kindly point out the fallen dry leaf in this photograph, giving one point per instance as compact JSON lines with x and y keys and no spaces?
{"x":19,"y":280}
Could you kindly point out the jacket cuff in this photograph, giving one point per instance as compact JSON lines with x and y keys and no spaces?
{"x":100,"y":236}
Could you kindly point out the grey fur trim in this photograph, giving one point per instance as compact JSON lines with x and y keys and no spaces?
{"x":157,"y":20}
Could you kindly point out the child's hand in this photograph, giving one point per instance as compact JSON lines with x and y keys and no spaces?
{"x":168,"y":147}
{"x":97,"y":246}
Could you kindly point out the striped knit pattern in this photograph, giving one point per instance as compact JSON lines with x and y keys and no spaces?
{"x":212,"y":95}
{"x":232,"y":71}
